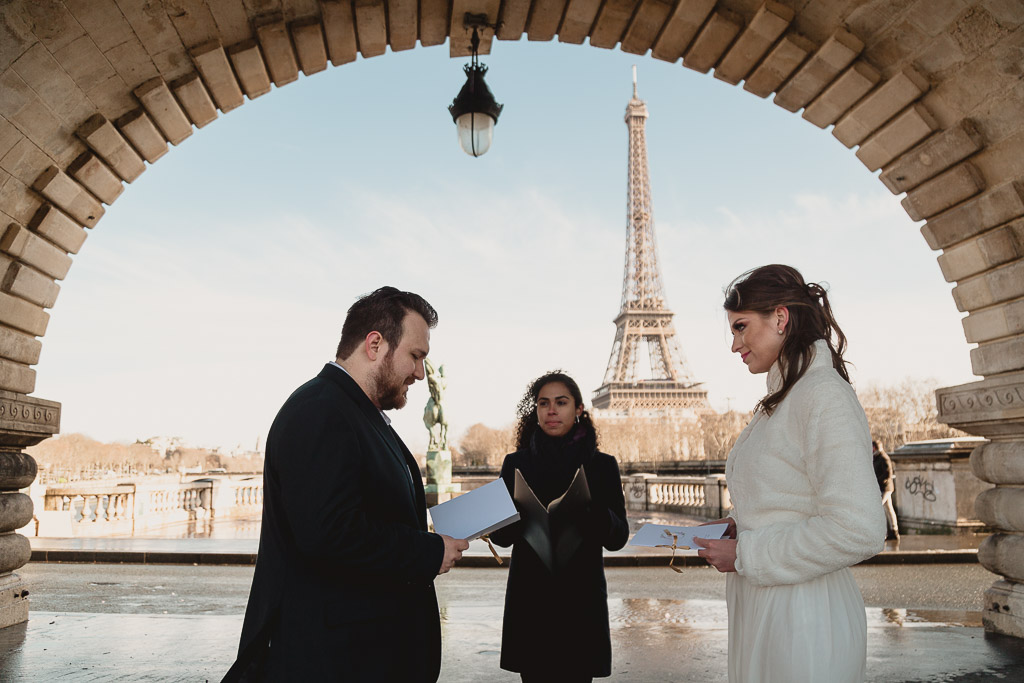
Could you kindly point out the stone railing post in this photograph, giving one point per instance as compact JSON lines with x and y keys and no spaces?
{"x":994,"y":408}
{"x":716,"y":495}
{"x":635,"y":490}
{"x":24,"y":421}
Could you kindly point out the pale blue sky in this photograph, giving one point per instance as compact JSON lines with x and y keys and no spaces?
{"x":218,"y":282}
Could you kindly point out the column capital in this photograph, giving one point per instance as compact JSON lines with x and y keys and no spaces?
{"x":992,"y":407}
{"x":26,"y":420}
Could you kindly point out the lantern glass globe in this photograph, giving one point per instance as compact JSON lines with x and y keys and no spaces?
{"x":476,"y":130}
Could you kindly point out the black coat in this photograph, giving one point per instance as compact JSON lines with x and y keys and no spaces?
{"x":557,"y":623}
{"x":343,"y":587}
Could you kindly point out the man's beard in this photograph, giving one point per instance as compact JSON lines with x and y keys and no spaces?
{"x":390,"y":391}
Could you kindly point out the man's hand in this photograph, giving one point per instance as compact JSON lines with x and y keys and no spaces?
{"x":720,"y":554}
{"x":453,"y":548}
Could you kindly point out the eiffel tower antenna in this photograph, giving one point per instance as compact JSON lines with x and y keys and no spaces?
{"x":644,"y":317}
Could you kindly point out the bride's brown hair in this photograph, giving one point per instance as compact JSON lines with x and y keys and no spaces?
{"x":764,"y":289}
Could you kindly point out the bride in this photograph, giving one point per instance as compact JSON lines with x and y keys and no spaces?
{"x":805,"y":498}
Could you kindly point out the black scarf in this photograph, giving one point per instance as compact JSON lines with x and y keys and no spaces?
{"x":553,"y":461}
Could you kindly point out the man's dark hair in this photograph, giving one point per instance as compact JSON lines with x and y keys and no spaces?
{"x":383,"y":311}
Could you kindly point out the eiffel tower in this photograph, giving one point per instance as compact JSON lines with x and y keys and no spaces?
{"x":644,"y":317}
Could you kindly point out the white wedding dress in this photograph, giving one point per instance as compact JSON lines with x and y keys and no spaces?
{"x":806,"y":507}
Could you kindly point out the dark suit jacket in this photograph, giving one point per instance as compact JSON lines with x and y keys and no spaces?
{"x":343,"y":588}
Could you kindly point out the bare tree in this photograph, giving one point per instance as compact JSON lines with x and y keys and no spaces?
{"x":905,"y":411}
{"x":483,"y":446}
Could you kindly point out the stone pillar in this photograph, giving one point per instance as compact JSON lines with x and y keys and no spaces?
{"x":440,"y":488}
{"x":635,"y":490}
{"x":24,"y":421}
{"x":716,"y":496}
{"x":994,"y":408}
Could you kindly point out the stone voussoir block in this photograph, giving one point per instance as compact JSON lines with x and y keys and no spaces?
{"x":17,"y":377}
{"x":933,"y":156}
{"x":22,"y":314}
{"x":997,"y":206}
{"x":29,"y":248}
{"x":650,"y":16}
{"x":56,"y":226}
{"x":907,"y":129}
{"x":460,"y":37}
{"x":103,"y":138}
{"x":74,"y":199}
{"x":140,"y":130}
{"x":1000,"y":462}
{"x":765,"y":27}
{"x":962,"y":261}
{"x":787,"y":55}
{"x":612,"y":19}
{"x":837,"y":53}
{"x":278,"y":53}
{"x":19,"y":347}
{"x":252,"y":72}
{"x":96,"y":177}
{"x":842,"y":94}
{"x":31,"y":285}
{"x":309,"y":45}
{"x":884,"y":102}
{"x":944,"y":191}
{"x":340,"y":31}
{"x":681,"y":28}
{"x":995,"y":323}
{"x":212,"y":62}
{"x":372,"y":31}
{"x":713,"y":40}
{"x":434,"y":20}
{"x":194,"y":99}
{"x":993,"y":358}
{"x":1004,"y":244}
{"x":403,"y":24}
{"x":158,"y":101}
{"x":578,"y":20}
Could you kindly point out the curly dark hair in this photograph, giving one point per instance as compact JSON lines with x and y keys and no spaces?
{"x":526,"y":411}
{"x":764,"y":289}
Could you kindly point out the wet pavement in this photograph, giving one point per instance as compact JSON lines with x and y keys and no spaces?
{"x":98,"y":622}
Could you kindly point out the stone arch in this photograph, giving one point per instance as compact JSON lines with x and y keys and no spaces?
{"x":929,"y":93}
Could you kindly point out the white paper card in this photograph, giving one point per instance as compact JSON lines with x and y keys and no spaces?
{"x":652,"y":535}
{"x":475,"y":513}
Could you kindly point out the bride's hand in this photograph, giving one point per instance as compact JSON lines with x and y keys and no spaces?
{"x":730,"y":531}
{"x":720,"y":554}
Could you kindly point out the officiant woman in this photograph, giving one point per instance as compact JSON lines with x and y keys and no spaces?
{"x":556,"y":619}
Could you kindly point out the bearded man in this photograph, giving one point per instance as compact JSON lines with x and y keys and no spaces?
{"x":343,"y":587}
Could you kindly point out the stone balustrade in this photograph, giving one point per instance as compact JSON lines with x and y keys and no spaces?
{"x":106,"y":508}
{"x":701,"y":496}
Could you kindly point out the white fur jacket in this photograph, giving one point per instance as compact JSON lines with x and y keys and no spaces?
{"x":803,"y":489}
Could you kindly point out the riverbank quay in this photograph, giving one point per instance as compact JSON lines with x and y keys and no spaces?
{"x":181,"y":623}
{"x":236,"y":542}
{"x":199,"y":551}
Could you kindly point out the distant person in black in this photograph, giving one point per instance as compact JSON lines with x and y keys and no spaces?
{"x":556,"y":621}
{"x":344,"y":581}
{"x":884,"y":473}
